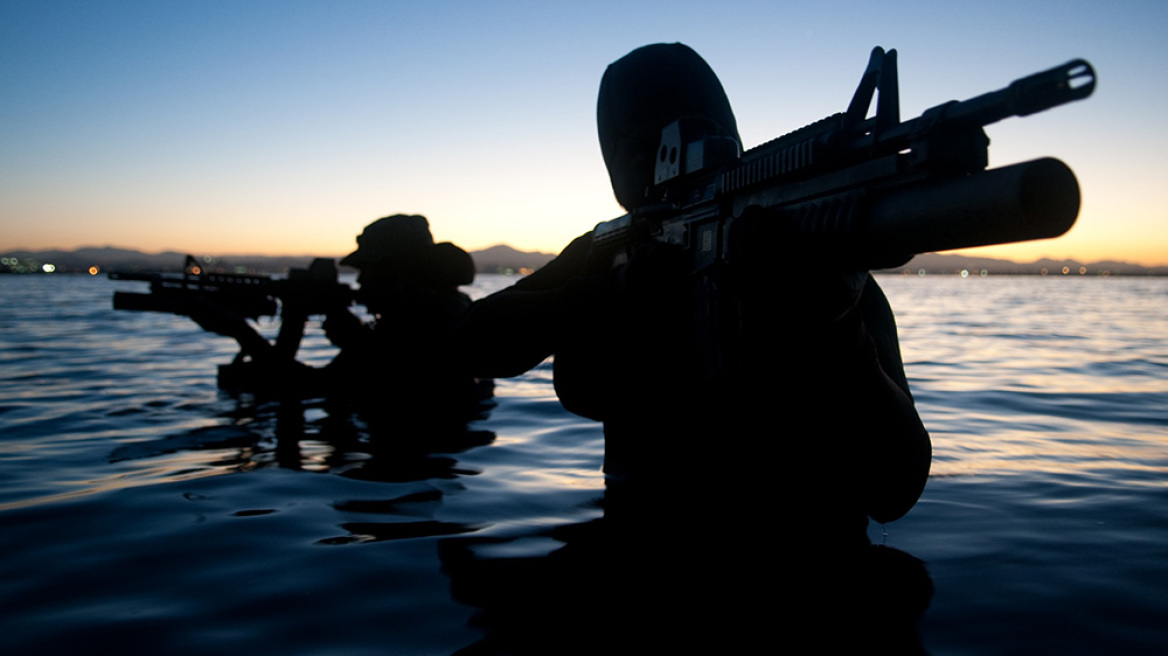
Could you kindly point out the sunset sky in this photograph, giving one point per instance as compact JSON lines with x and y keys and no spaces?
{"x":285,"y":126}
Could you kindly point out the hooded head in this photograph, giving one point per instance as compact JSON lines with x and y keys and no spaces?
{"x":643,"y":92}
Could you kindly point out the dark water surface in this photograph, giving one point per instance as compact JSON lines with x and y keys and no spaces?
{"x":144,"y":511}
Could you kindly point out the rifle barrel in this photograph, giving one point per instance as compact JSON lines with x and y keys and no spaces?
{"x":1035,"y":93}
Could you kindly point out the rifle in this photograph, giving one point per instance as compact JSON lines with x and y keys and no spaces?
{"x":854,"y":192}
{"x":867,"y":191}
{"x":303,"y":293}
{"x":314,"y":290}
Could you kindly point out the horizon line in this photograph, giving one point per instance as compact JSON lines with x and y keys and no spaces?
{"x":540,"y":252}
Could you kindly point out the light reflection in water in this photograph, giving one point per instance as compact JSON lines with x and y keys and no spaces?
{"x":1045,"y":397}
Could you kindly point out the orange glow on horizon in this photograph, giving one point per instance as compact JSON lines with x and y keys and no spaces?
{"x":1149,"y":254}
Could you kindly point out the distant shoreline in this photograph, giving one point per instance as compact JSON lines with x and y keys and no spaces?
{"x":505,"y":259}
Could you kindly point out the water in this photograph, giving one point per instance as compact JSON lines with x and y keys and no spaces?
{"x":144,"y":511}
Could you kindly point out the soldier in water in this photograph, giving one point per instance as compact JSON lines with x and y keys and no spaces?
{"x":409,"y":285}
{"x":812,"y":411}
{"x":754,"y":417}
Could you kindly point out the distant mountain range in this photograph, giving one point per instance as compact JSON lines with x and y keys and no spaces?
{"x":504,"y":259}
{"x":496,"y":259}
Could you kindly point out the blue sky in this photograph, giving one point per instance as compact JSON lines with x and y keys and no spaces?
{"x":228,"y":127}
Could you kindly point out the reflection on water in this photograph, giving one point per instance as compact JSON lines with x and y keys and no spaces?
{"x":143,"y":511}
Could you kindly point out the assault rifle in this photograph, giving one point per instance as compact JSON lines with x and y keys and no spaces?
{"x":313,"y":291}
{"x":305,"y":292}
{"x":867,"y":191}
